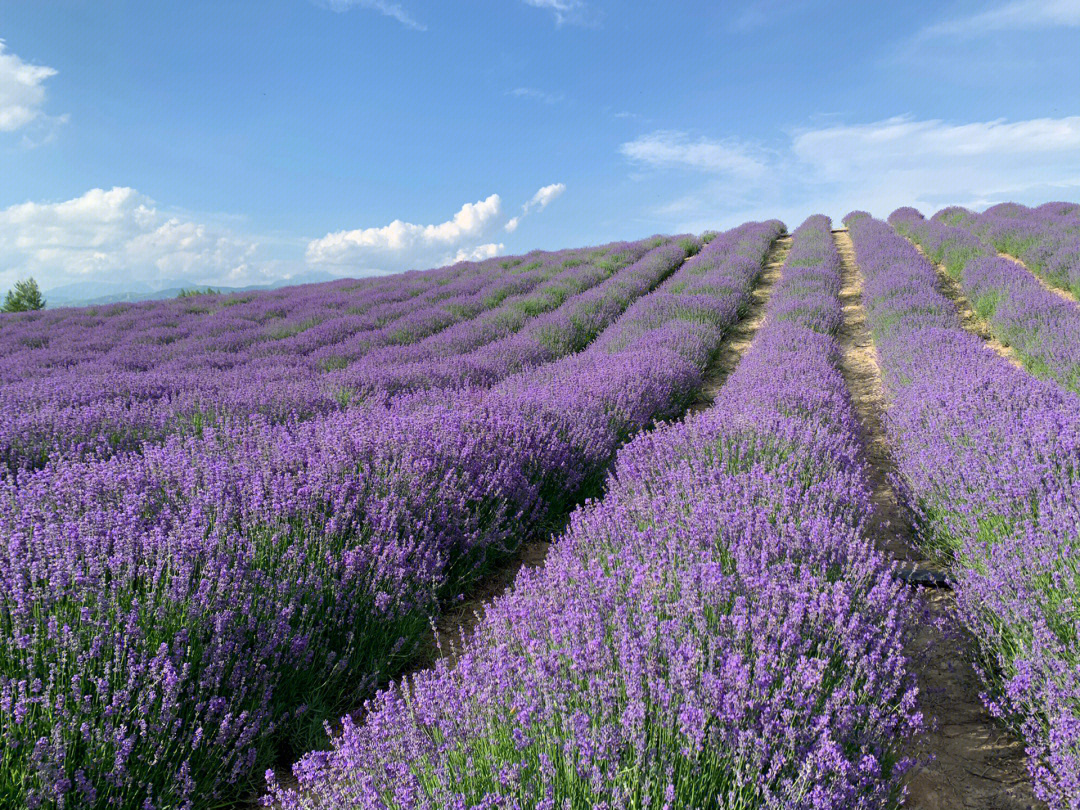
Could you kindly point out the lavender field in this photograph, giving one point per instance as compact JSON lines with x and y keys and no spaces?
{"x":682,"y":522}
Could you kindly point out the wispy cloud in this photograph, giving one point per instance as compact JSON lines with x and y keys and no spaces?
{"x":538,"y":95}
{"x":384,"y":7}
{"x":540,"y":200}
{"x":674,"y":149}
{"x":759,"y":13}
{"x":1019,"y":15}
{"x":877,"y":166}
{"x":575,"y":12}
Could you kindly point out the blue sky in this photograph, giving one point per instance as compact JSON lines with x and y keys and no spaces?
{"x":235,"y":142}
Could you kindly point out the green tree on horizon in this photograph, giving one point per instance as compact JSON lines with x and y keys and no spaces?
{"x":24,"y":297}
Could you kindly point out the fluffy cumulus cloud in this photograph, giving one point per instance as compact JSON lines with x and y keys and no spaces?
{"x":877,"y":166}
{"x":401,"y":245}
{"x":673,"y":149}
{"x":22,"y":92}
{"x":120,"y":234}
{"x":405,"y":245}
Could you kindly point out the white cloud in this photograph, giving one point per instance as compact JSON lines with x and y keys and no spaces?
{"x":882,"y":165}
{"x":478,"y":253}
{"x":103,"y":235}
{"x":673,"y":149}
{"x":22,"y":92}
{"x":400,"y":245}
{"x":538,"y":95}
{"x":539,"y":201}
{"x":565,"y":11}
{"x":1018,"y":15}
{"x":544,"y":196}
{"x":384,"y":7}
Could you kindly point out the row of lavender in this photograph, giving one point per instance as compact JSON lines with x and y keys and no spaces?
{"x":1041,"y":327}
{"x":168,"y":619}
{"x":128,"y":392}
{"x":989,"y":462}
{"x":718,"y":631}
{"x":1046,"y":238}
{"x":467,"y":355}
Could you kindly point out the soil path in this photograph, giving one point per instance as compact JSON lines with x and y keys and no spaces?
{"x":1060,"y":293}
{"x":738,"y":338}
{"x":977,"y":763}
{"x":456,"y":621}
{"x":951,"y":289}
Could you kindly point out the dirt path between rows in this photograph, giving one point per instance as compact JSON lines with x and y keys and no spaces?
{"x":951,"y":289}
{"x":461,"y":618}
{"x":1060,"y":293}
{"x":456,"y":621}
{"x":738,"y":338}
{"x":976,"y":762}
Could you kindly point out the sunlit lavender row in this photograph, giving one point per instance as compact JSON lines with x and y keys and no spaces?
{"x":716,"y":632}
{"x":172,"y":618}
{"x":92,"y":382}
{"x":1046,"y":238}
{"x":989,"y":459}
{"x":1043,"y":328}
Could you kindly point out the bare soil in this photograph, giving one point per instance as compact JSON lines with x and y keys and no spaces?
{"x":968,"y":760}
{"x":951,"y":289}
{"x":739,"y":337}
{"x":1060,"y":293}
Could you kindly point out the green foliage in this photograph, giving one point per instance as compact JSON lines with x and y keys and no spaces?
{"x":691,"y":245}
{"x":194,"y":291}
{"x":24,"y":297}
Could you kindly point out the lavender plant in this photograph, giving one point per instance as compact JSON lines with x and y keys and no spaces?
{"x":717,"y":631}
{"x":170,"y":618}
{"x":989,"y":462}
{"x":1046,"y":238}
{"x":1042,"y":328}
{"x":88,"y":384}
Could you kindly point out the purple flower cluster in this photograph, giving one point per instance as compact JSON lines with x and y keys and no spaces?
{"x":1043,"y":328}
{"x":1046,"y":238}
{"x":989,"y":462}
{"x":717,"y":631}
{"x":169,"y":618}
{"x":92,"y":382}
{"x":459,"y":357}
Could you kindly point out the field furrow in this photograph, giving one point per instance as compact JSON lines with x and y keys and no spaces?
{"x":987,"y":458}
{"x":967,"y":759}
{"x":1040,"y":328}
{"x":271,"y":575}
{"x":716,"y":631}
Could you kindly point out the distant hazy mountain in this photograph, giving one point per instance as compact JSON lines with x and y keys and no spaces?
{"x":91,"y":293}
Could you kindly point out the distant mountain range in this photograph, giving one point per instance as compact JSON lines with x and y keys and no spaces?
{"x":92,"y":293}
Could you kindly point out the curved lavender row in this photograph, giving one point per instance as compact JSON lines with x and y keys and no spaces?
{"x":1046,"y":238}
{"x":167,"y":618}
{"x":96,"y":410}
{"x":1042,"y":328}
{"x":564,"y":330}
{"x":989,"y":462}
{"x":716,"y":631}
